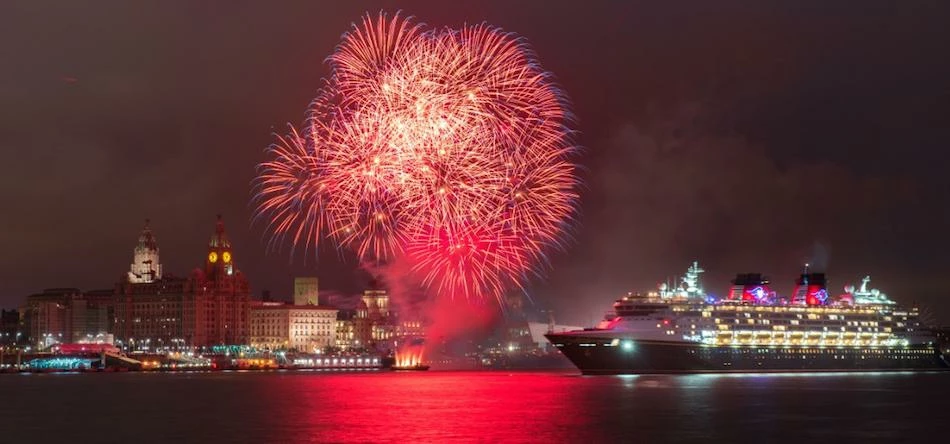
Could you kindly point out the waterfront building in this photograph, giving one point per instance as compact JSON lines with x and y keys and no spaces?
{"x":209,"y":307}
{"x":281,"y":326}
{"x":46,"y":316}
{"x":410,"y":328}
{"x":60,"y":315}
{"x":373,"y":324}
{"x":306,"y":291}
{"x":346,"y":330}
{"x":363,"y":327}
{"x":91,"y":315}
{"x":153,"y":315}
{"x":376,"y":302}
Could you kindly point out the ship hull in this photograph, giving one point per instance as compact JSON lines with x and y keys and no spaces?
{"x":608,"y":356}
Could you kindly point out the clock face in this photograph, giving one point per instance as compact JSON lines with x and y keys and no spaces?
{"x":226,"y":257}
{"x":212,"y":257}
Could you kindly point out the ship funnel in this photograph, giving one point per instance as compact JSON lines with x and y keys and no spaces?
{"x":751,"y":288}
{"x":811,"y":289}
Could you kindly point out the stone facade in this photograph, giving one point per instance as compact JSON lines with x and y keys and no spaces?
{"x":209,"y":307}
{"x":146,"y":266}
{"x":280,"y":326}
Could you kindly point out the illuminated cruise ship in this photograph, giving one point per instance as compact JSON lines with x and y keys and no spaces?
{"x":683,"y":330}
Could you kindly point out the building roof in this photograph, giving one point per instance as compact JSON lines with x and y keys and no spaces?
{"x":268,"y":305}
{"x":147,"y":238}
{"x":220,"y":238}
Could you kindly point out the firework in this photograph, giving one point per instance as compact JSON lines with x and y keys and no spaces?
{"x":448,"y":148}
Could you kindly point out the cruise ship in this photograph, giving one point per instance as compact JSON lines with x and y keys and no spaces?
{"x":680,"y":329}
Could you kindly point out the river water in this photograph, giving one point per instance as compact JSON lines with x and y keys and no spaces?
{"x":548,"y":407}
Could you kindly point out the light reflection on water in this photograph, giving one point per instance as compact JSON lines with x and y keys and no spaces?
{"x":472,"y":407}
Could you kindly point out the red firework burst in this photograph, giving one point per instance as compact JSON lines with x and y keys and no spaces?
{"x":447,"y":148}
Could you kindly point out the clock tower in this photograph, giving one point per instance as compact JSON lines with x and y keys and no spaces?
{"x":220,"y":259}
{"x":145,"y":265}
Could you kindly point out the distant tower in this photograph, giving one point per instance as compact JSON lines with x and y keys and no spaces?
{"x":376,"y":300}
{"x":306,"y":291}
{"x":145,"y":265}
{"x":220,"y":260}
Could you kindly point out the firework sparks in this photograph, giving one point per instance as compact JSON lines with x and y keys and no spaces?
{"x":447,"y":148}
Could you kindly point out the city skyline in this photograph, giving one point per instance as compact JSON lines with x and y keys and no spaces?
{"x":804,"y":135}
{"x":496,"y":221}
{"x":159,"y":271}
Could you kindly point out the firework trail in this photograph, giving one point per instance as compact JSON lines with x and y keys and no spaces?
{"x":448,"y":148}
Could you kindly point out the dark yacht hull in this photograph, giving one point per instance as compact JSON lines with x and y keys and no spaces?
{"x":599,"y":356}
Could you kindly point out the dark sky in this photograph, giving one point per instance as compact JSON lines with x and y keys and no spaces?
{"x":749,"y":136}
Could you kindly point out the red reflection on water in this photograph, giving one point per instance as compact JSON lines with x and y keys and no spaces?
{"x":429,"y":407}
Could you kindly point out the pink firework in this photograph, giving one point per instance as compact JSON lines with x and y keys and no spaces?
{"x":446,"y":148}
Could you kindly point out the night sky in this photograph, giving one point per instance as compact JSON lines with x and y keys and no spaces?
{"x":750,"y":136}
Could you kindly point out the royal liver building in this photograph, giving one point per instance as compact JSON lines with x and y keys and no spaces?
{"x":145,"y":265}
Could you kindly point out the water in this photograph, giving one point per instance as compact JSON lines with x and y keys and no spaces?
{"x":550,"y":407}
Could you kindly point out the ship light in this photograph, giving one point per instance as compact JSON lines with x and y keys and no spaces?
{"x":627,"y":345}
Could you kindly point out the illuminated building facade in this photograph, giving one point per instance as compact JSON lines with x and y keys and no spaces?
{"x":363,"y":326}
{"x":376,"y":303}
{"x":46,"y":316}
{"x":346,"y":330}
{"x":146,"y":266}
{"x":410,"y":329}
{"x":152,"y":315}
{"x":91,"y":315}
{"x":59,"y":315}
{"x":373,"y":325}
{"x":306,"y":291}
{"x":280,"y":326}
{"x":210,"y":307}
